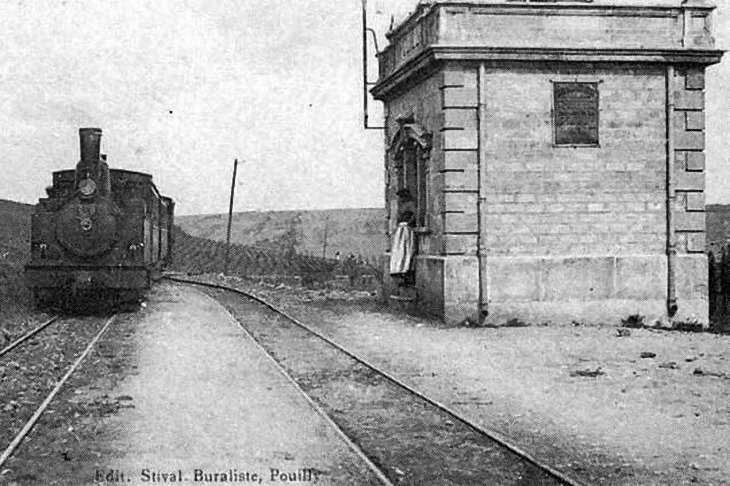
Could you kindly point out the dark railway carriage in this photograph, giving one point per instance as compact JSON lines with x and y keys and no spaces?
{"x":100,"y":231}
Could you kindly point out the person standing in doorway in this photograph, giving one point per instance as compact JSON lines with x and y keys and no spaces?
{"x":403,"y":249}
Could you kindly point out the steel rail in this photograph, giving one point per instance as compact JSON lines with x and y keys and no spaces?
{"x":42,"y":408}
{"x":497,"y":437}
{"x":317,"y":408}
{"x":28,"y":335}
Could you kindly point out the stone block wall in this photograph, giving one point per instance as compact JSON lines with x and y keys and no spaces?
{"x":689,"y":130}
{"x":446,"y":105}
{"x":520,"y":226}
{"x":423,"y":103}
{"x":557,"y":225}
{"x":689,"y":205}
{"x":543,"y":200}
{"x":575,"y":232}
{"x":456,"y":164}
{"x":447,"y":267}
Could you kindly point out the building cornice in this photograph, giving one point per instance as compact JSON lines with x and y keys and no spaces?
{"x":428,"y":58}
{"x":526,"y":8}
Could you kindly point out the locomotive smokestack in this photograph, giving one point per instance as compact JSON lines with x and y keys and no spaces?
{"x":90,"y":144}
{"x":92,"y":166}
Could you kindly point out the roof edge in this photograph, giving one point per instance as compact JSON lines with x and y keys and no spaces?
{"x":424,"y":8}
{"x":427,"y":59}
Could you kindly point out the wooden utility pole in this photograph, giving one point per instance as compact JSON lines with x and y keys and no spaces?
{"x":230,"y":217}
{"x":324,"y":242}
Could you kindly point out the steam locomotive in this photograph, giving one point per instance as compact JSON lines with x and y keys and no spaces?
{"x":101,"y":233}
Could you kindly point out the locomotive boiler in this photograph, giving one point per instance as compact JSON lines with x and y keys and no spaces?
{"x":100,"y":233}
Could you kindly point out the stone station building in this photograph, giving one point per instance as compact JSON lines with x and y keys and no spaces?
{"x":556,"y":153}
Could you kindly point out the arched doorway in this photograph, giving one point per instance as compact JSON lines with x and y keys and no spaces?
{"x":410,"y":150}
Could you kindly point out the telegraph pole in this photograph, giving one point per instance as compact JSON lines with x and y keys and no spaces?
{"x":324,"y":242}
{"x":230,"y":217}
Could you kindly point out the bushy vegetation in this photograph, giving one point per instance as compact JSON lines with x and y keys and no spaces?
{"x":15,"y":298}
{"x":634,"y":321}
{"x":194,"y":255}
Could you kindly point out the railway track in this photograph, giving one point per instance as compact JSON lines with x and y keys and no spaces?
{"x":44,"y":374}
{"x":412,"y":438}
{"x":26,"y":337}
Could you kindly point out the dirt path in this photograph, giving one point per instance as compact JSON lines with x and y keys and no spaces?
{"x":209,"y":407}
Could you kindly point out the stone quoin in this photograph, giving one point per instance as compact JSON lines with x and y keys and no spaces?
{"x":555,"y":150}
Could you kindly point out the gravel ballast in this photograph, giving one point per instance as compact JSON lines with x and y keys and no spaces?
{"x":29,"y":372}
{"x":581,"y":397}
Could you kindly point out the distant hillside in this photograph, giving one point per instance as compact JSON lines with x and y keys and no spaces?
{"x":14,"y":253}
{"x":14,"y":226}
{"x":356,"y":231}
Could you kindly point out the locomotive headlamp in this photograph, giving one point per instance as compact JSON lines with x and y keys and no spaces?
{"x":87,"y":187}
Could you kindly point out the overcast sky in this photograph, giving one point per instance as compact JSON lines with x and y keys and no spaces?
{"x":182,"y":87}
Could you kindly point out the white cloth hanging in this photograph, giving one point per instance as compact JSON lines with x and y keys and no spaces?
{"x":401,"y":255}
